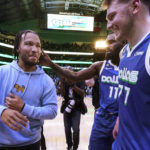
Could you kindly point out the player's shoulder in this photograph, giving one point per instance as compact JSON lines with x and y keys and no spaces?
{"x":98,"y":65}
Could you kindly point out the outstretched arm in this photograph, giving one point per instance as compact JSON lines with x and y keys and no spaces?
{"x":74,"y":76}
{"x":78,"y":90}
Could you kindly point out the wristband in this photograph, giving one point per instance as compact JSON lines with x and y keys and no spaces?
{"x":22,"y":107}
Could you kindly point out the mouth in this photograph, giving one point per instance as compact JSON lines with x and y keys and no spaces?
{"x":115,"y":30}
{"x":116,"y":33}
{"x":33,"y":57}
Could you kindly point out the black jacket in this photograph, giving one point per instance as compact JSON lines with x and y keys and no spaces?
{"x":79,"y":103}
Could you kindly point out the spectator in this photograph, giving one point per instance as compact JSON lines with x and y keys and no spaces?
{"x":72,"y":108}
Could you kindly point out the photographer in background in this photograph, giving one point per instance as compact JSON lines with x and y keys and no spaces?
{"x":72,"y":108}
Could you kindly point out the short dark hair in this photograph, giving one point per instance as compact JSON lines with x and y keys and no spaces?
{"x":106,"y":3}
{"x":18,"y":40}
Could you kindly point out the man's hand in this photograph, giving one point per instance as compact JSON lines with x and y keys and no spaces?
{"x":13,"y":119}
{"x":45,"y":59}
{"x":116,"y":127}
{"x":14,"y":102}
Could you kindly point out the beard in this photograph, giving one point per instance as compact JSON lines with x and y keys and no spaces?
{"x":108,"y":56}
{"x":115,"y":53}
{"x":28,"y":62}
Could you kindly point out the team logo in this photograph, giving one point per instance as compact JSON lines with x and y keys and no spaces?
{"x":110,"y":79}
{"x":128,"y":76}
{"x":138,"y":53}
{"x":19,"y":88}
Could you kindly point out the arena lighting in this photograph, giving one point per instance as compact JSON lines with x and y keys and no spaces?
{"x":53,"y":52}
{"x":6,"y":45}
{"x":55,"y":61}
{"x":6,"y":56}
{"x":4,"y":63}
{"x":68,"y":53}
{"x":101,"y":44}
{"x":71,"y":62}
{"x":75,"y":68}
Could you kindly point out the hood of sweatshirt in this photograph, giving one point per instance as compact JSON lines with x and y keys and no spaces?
{"x":38,"y":70}
{"x":21,"y":78}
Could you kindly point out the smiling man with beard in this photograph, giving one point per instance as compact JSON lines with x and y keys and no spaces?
{"x":28,"y":96}
{"x":105,"y":117}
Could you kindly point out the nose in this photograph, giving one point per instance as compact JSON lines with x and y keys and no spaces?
{"x":109,"y":25}
{"x":35,"y":49}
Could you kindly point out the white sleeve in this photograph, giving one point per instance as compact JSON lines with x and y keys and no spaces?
{"x":147,"y":60}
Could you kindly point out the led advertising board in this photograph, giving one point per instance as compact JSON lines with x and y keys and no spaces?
{"x":67,"y":22}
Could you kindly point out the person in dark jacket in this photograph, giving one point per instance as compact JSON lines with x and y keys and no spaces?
{"x":72,"y":108}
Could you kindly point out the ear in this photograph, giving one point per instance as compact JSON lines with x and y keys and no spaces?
{"x":18,"y":50}
{"x":136,"y":5}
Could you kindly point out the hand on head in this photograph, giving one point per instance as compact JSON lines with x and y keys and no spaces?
{"x":44,"y":59}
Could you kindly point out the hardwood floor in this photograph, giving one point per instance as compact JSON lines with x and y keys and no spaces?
{"x":54,"y":129}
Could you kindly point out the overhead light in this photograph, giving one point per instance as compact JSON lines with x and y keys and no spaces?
{"x":101,"y":44}
{"x":6,"y":45}
{"x":6,"y":56}
{"x":71,"y":62}
{"x":74,"y":68}
{"x":4,"y":62}
{"x":68,"y":53}
{"x":55,"y":61}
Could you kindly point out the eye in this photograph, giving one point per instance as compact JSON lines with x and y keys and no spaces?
{"x":38,"y":45}
{"x":111,"y":16}
{"x":28,"y":43}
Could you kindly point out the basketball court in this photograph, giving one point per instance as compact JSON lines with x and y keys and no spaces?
{"x":54,"y":129}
